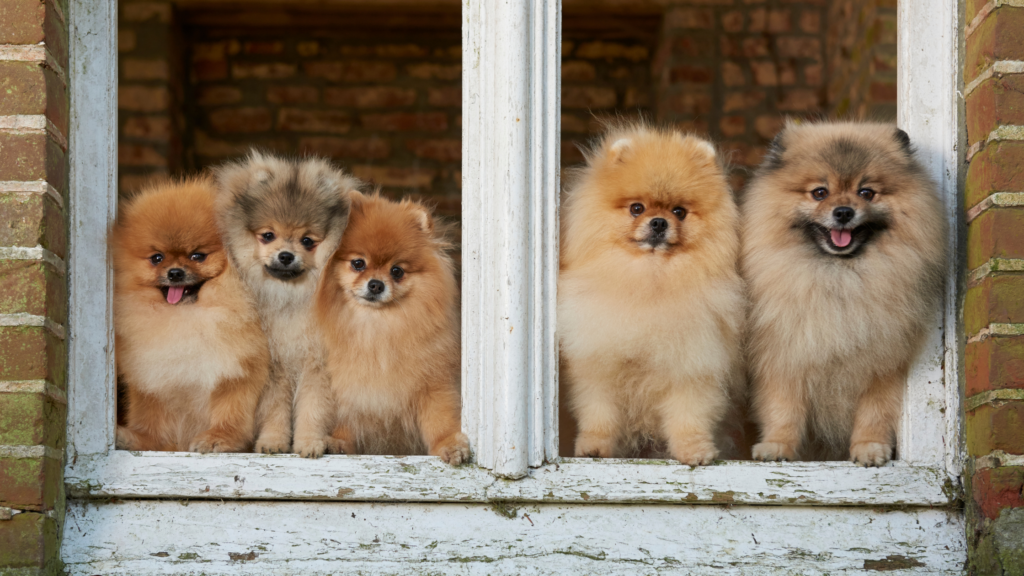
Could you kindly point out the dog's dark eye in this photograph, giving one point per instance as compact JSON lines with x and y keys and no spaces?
{"x":680,"y":212}
{"x":359,"y":264}
{"x":156,"y":258}
{"x":636,"y":209}
{"x":197,"y":257}
{"x":308,"y":243}
{"x":397,"y":272}
{"x":866,"y":193}
{"x":267,"y":237}
{"x":819,"y":193}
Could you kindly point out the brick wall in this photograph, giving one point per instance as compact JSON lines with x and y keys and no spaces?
{"x":860,"y":46}
{"x":994,"y":302}
{"x":33,"y":289}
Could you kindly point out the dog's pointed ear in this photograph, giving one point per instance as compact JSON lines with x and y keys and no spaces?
{"x":773,"y":156}
{"x":904,"y":141}
{"x":702,"y":145}
{"x":618,"y":149}
{"x":423,"y":218}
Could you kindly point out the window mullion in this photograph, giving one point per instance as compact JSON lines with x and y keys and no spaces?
{"x":510,"y":185}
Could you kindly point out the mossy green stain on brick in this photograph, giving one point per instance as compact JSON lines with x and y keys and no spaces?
{"x":24,"y":539}
{"x":994,"y":363}
{"x":999,"y":37}
{"x":995,"y":169}
{"x":996,"y":427}
{"x":996,"y":233}
{"x":24,"y":87}
{"x":30,"y":483}
{"x":996,"y":299}
{"x":31,"y":419}
{"x":996,"y":488}
{"x":32,"y":353}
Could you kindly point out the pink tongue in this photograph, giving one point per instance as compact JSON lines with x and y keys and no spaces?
{"x":841,"y":238}
{"x":174,"y":294}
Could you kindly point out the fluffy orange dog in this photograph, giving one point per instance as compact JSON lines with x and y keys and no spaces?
{"x":188,"y":341}
{"x":387,"y":310}
{"x":650,"y":304}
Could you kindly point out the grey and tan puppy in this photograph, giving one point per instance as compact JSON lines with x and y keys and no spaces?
{"x":281,"y":220}
{"x":844,"y":250}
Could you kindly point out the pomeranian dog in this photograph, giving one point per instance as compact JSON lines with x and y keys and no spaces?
{"x":387,"y":378}
{"x":650,"y":303}
{"x":282,"y":220}
{"x":188,"y":342}
{"x":844,"y":249}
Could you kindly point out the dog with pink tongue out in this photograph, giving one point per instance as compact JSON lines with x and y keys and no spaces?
{"x":843,"y":251}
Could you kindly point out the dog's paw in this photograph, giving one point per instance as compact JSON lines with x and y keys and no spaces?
{"x":310,"y":448}
{"x":870,"y":453}
{"x":593,"y":446}
{"x":773,"y":452}
{"x":698,"y":454}
{"x":339,"y":446}
{"x":124,"y":439}
{"x":272,"y":445}
{"x":210,"y":441}
{"x":453,"y":450}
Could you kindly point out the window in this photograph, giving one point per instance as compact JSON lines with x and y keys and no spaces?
{"x":414,"y":509}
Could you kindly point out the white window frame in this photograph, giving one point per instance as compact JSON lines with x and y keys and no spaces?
{"x":511,"y":111}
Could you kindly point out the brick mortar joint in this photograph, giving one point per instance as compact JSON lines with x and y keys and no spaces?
{"x":42,"y":387}
{"x":37,"y":253}
{"x":32,"y":187}
{"x":998,"y":459}
{"x":996,"y":199}
{"x":996,"y":330}
{"x":9,"y":513}
{"x":34,"y":53}
{"x":995,"y":265}
{"x":30,"y":452}
{"x":999,"y":67}
{"x":32,"y":320}
{"x":1008,"y":132}
{"x":33,"y":124}
{"x":987,"y":9}
{"x":993,"y":396}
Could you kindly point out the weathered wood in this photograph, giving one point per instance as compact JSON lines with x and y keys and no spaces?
{"x":426,"y":479}
{"x":929,"y":82}
{"x":511,"y":87}
{"x":161,"y":537}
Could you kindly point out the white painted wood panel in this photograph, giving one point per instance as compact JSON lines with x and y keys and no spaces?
{"x":426,"y":479}
{"x":511,"y":86}
{"x":92,"y":153}
{"x":164,"y":537}
{"x":928,"y":83}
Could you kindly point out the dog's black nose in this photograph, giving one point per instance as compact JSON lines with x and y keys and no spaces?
{"x":175,"y":274}
{"x":375,"y":286}
{"x":843,"y":214}
{"x":286,"y":258}
{"x":659,"y":225}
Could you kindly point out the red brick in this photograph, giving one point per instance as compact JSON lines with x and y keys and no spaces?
{"x":32,"y":220}
{"x":692,"y":74}
{"x":883,"y":91}
{"x":812,"y":75}
{"x":572,"y":123}
{"x":787,"y":73}
{"x":999,"y":37}
{"x":147,"y":128}
{"x":799,"y":47}
{"x":698,"y":127}
{"x":387,"y":51}
{"x":22,"y":21}
{"x":448,"y":150}
{"x":743,"y":154}
{"x":144,"y":11}
{"x":636,"y":97}
{"x":799,"y":100}
{"x":755,"y":47}
{"x":23,"y":85}
{"x":31,"y":420}
{"x":293,"y":95}
{"x":690,"y":102}
{"x":687,"y":18}
{"x":446,"y":96}
{"x":733,"y":126}
{"x":571,"y":153}
{"x":209,"y":70}
{"x":144,"y":69}
{"x":142,"y":98}
{"x":732,"y":74}
{"x":758,"y":20}
{"x":995,"y":102}
{"x":370,"y":97}
{"x":217,"y":95}
{"x":996,"y":299}
{"x":995,"y":489}
{"x":768,"y":125}
{"x":28,"y":353}
{"x":779,"y":21}
{"x":262,"y":71}
{"x":431,"y":71}
{"x":308,"y":49}
{"x":126,"y":40}
{"x":810,"y":21}
{"x":361,"y":148}
{"x":589,"y":97}
{"x":23,"y":544}
{"x":396,"y":177}
{"x":325,"y":121}
{"x":240,"y":120}
{"x":264,"y":48}
{"x":31,"y":287}
{"x":693,"y":46}
{"x":995,"y":169}
{"x":139,"y":155}
{"x":742,"y":100}
{"x":24,"y":157}
{"x":215,"y":51}
{"x":996,"y":427}
{"x":732,"y":21}
{"x":352,"y":71}
{"x":765,"y":73}
{"x":611,"y":50}
{"x":993,"y":364}
{"x":996,"y":233}
{"x":578,"y":71}
{"x":406,"y":121}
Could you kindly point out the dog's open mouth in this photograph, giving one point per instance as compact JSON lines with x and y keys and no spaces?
{"x":181,"y":294}
{"x":843,"y":241}
{"x":284,"y":273}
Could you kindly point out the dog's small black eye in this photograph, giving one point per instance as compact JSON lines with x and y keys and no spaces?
{"x":267,"y":237}
{"x":197,"y":257}
{"x":397,"y":272}
{"x":308,"y":243}
{"x":156,"y":258}
{"x":636,"y":209}
{"x":680,"y":212}
{"x":359,"y":264}
{"x":819,"y":193}
{"x":866,"y":193}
